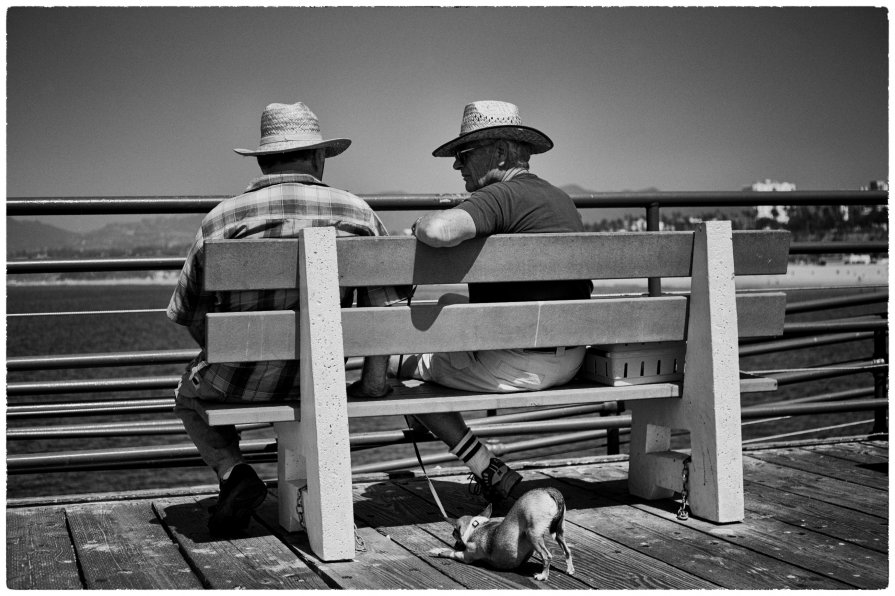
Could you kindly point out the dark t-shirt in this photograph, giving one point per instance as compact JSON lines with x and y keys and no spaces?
{"x":524,"y":205}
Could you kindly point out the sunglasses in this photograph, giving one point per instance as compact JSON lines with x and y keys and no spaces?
{"x":461,"y":155}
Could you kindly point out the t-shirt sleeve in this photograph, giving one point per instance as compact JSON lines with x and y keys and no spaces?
{"x":489,"y":211}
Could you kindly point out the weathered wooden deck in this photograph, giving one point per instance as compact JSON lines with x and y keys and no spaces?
{"x":817,"y":517}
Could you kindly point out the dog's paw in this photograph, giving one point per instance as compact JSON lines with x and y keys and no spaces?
{"x":570,"y":569}
{"x":541,"y":577}
{"x":438,"y":552}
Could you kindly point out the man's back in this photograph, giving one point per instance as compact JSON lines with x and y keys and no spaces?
{"x":273,"y":206}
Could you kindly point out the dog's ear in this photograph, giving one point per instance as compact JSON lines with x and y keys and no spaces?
{"x":486,"y":512}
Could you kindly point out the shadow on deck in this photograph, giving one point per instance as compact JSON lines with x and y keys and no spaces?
{"x":816,"y":517}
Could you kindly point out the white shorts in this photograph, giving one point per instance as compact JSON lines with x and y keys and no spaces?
{"x":500,"y":371}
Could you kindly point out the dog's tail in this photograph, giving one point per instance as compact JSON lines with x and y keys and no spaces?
{"x":557,"y":520}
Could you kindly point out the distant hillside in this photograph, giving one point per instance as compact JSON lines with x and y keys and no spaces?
{"x":35,"y":237}
{"x":150,"y":235}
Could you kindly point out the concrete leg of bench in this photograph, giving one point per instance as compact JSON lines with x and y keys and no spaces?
{"x":292,"y":475}
{"x":323,"y":429}
{"x":710,"y":404}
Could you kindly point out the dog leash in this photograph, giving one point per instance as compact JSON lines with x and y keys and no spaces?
{"x":416,"y":449}
{"x":431,"y":486}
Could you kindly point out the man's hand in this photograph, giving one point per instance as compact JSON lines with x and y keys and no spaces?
{"x":358,"y":389}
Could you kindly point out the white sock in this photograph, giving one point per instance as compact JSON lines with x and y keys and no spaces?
{"x":473,"y":453}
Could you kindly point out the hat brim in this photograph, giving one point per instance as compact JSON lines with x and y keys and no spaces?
{"x":333,"y":147}
{"x":539,"y":142}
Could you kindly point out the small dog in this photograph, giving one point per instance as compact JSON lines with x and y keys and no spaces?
{"x":509,"y":543}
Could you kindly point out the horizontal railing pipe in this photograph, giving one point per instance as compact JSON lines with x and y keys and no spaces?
{"x":828,"y":372}
{"x":411,"y":202}
{"x":21,"y":267}
{"x":96,"y":360}
{"x":120,"y":429}
{"x":838,"y":248}
{"x":836,"y":302}
{"x":132,"y":406}
{"x":265,"y":448}
{"x":801,"y":342}
{"x":91,"y":385}
{"x":812,"y":327}
{"x":810,"y":409}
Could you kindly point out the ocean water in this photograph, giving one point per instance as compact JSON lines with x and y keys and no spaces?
{"x":57,"y":334}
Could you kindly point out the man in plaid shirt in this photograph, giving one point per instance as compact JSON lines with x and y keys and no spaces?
{"x":288,"y":197}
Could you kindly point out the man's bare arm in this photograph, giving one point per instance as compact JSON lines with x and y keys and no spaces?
{"x":445,"y":228}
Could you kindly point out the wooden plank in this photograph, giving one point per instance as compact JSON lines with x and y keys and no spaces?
{"x":243,"y":337}
{"x":447,"y":400}
{"x":251,"y":263}
{"x":869,"y":456}
{"x":418,"y":527}
{"x":39,"y":554}
{"x":829,"y":490}
{"x":272,"y":335}
{"x":674,"y":542}
{"x":122,"y":546}
{"x":371,"y":569}
{"x":410,"y":397}
{"x":760,"y":315}
{"x":258,"y":560}
{"x":599,"y":562}
{"x":272,"y":263}
{"x":844,"y":524}
{"x":822,"y":465}
{"x":846,"y":562}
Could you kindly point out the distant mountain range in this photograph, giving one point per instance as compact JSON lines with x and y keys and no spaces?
{"x":169,"y":234}
{"x":151,"y":234}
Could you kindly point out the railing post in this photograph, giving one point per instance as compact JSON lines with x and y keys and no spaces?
{"x":652,"y":225}
{"x":881,"y":380}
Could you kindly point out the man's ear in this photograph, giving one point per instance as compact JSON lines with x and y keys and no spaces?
{"x":486,"y":512}
{"x":320,"y":161}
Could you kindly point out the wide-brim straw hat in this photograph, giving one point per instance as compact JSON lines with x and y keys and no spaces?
{"x":494,"y":120}
{"x":292,"y":127}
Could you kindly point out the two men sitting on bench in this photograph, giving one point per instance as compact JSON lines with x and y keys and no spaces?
{"x":491,"y":153}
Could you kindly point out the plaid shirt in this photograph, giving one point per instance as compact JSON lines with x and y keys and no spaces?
{"x":273,"y":206}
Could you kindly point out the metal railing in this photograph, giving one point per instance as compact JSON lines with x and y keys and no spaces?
{"x":566,"y":426}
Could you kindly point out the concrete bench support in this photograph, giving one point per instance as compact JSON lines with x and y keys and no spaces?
{"x":314,"y":452}
{"x":709,"y":408}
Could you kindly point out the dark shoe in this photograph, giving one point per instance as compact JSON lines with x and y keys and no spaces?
{"x":240,"y":494}
{"x":497,"y":483}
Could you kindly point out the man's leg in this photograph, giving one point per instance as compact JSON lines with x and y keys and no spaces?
{"x":241,"y":489}
{"x":460,"y":370}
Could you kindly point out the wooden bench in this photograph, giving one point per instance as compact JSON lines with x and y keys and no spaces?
{"x":313,"y":449}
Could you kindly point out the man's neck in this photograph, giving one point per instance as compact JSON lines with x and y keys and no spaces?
{"x":512,"y":173}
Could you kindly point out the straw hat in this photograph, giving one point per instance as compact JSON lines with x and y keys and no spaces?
{"x":292,"y":127}
{"x":494,"y":120}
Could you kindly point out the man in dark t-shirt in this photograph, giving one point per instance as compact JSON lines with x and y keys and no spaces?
{"x":492,"y":154}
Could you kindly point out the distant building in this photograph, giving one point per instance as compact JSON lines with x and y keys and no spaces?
{"x":877,"y":185}
{"x":769,"y":185}
{"x":777,"y":213}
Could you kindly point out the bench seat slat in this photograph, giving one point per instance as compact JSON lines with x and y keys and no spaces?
{"x":413,"y":397}
{"x":273,"y":263}
{"x":271,"y":335}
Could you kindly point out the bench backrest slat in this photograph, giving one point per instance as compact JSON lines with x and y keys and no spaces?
{"x":273,"y":263}
{"x":257,"y":336}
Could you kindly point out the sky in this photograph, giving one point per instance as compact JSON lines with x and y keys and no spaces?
{"x":151,"y":101}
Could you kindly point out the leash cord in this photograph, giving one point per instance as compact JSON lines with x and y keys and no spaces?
{"x":431,"y":486}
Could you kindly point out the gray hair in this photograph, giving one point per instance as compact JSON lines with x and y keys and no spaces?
{"x":517,"y":154}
